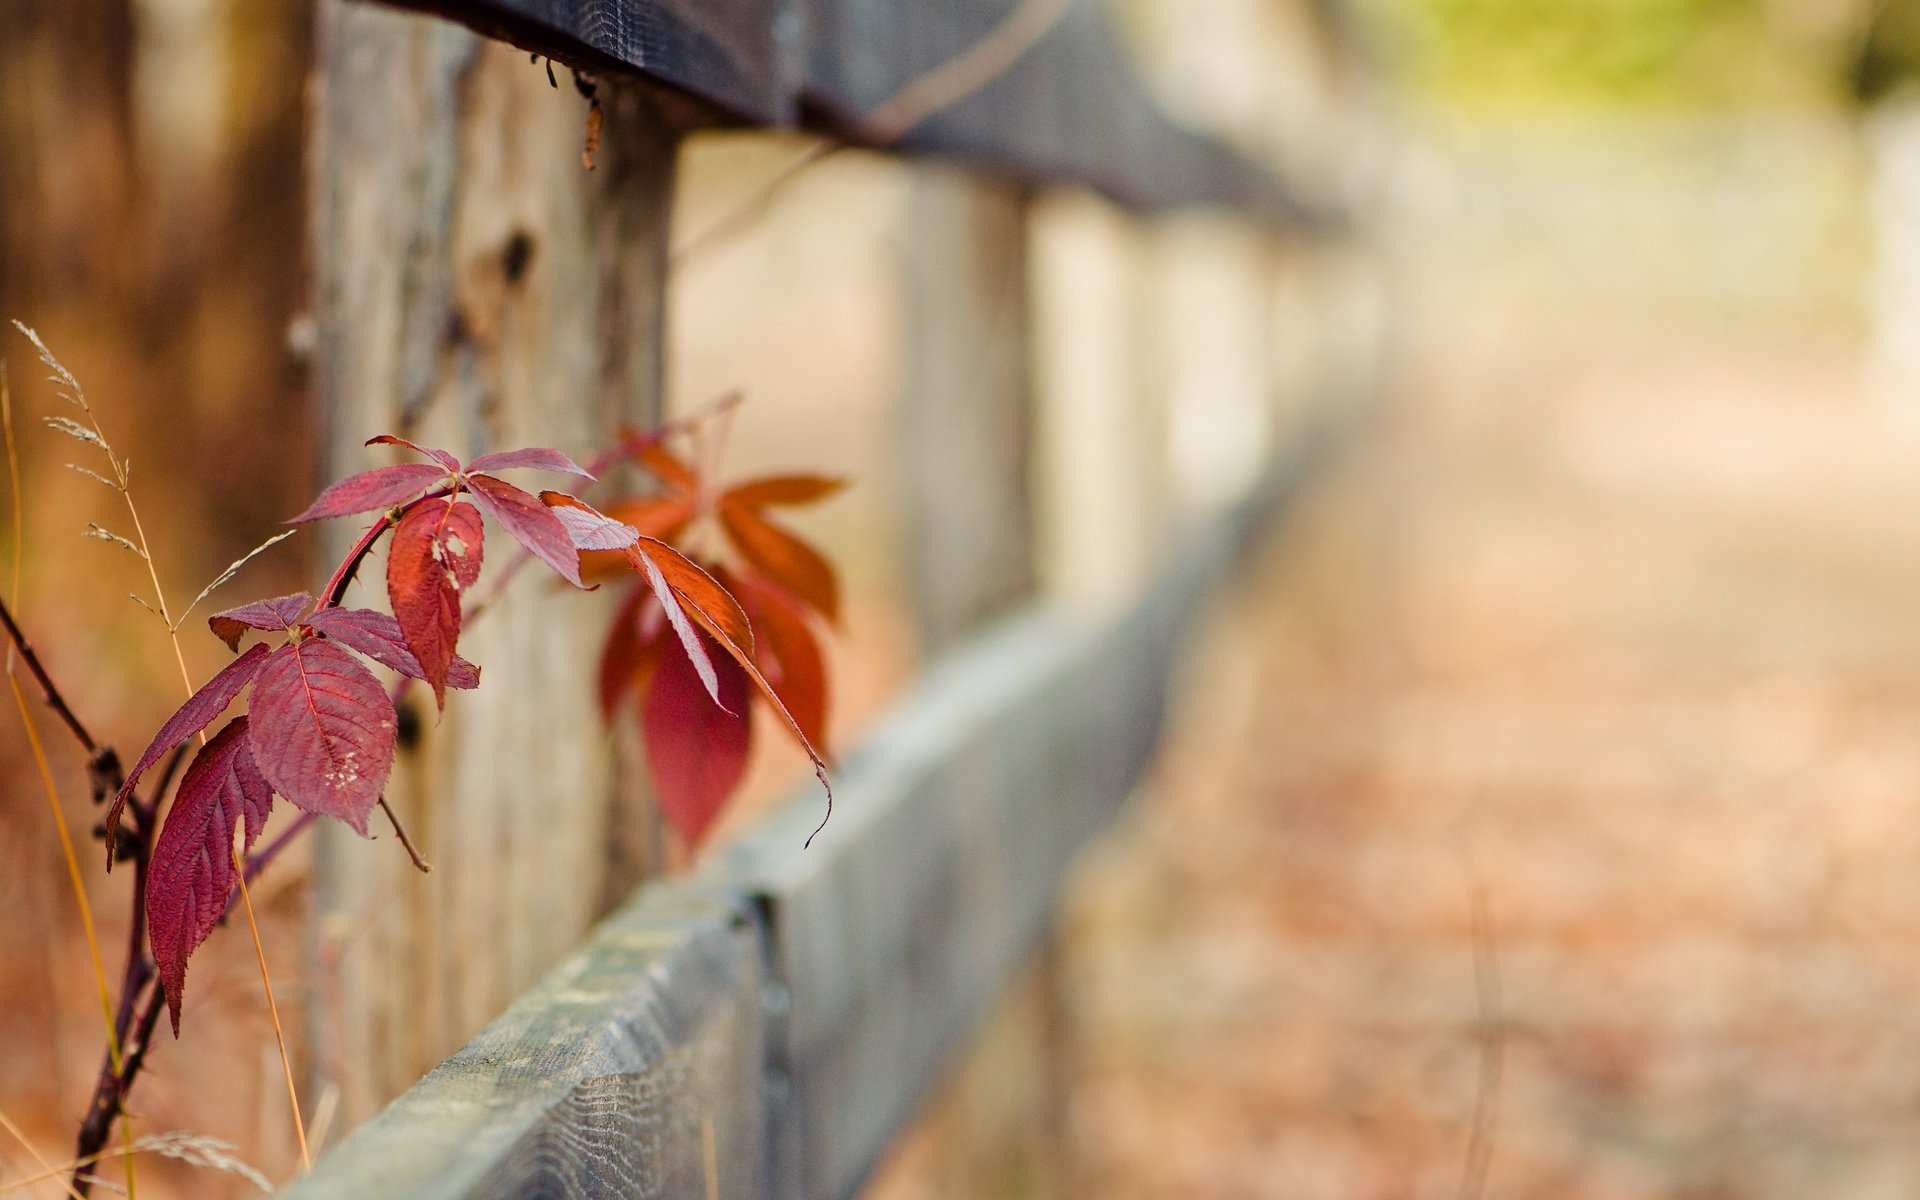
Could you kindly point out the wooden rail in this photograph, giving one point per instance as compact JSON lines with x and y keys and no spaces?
{"x":1066,"y":110}
{"x":776,"y":1018}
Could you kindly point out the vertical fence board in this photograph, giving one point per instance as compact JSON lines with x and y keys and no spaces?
{"x":968,"y":411}
{"x":477,"y":289}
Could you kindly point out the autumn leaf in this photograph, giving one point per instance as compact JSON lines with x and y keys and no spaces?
{"x":589,"y":528}
{"x":278,"y":614}
{"x":191,"y":874}
{"x":537,"y":458}
{"x":783,"y":490}
{"x":196,"y":714}
{"x":702,"y":594}
{"x":382,"y":487}
{"x":697,"y":744}
{"x":323,"y":730}
{"x":446,"y":461}
{"x":530,"y":523}
{"x":630,"y":650}
{"x":434,"y":557}
{"x":782,"y":557}
{"x":379,"y":637}
{"x":788,"y":655}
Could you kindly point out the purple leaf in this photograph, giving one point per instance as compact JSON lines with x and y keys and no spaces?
{"x":191,"y":876}
{"x":193,"y":716}
{"x":279,"y":613}
{"x":530,"y":523}
{"x":323,"y":730}
{"x":537,"y":458}
{"x":378,"y":636}
{"x":382,"y":487}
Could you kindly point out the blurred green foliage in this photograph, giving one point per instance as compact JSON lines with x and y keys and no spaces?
{"x":1889,"y":57}
{"x":1685,"y":54}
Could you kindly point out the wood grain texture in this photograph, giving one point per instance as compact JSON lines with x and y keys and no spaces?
{"x":477,"y":289}
{"x":1070,"y":110}
{"x":634,"y":1070}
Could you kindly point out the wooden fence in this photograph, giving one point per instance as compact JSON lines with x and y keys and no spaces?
{"x":769,"y":1025}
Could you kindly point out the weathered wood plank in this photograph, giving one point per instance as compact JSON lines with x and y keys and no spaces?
{"x":1068,"y":110}
{"x":724,"y":52}
{"x":953,"y":830}
{"x":633,"y":1070}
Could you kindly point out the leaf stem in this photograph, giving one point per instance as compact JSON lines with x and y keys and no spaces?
{"x":419,"y":864}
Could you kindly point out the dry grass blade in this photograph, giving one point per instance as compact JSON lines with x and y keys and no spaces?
{"x":50,"y":1172}
{"x":232,"y":570}
{"x":191,"y":1148}
{"x":201,"y":1151}
{"x":75,"y":430}
{"x":108,"y":535}
{"x":61,"y":378}
{"x":273,"y":1010}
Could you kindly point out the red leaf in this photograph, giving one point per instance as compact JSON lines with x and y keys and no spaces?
{"x":279,"y":613}
{"x":191,"y":876}
{"x":783,"y":489}
{"x":382,"y":487}
{"x":378,"y":636}
{"x":530,"y":523}
{"x":783,"y":558}
{"x":193,"y":716}
{"x":630,"y":649}
{"x":323,"y":730}
{"x":446,"y":460}
{"x":697,"y":749}
{"x":536,"y":458}
{"x":711,"y":603}
{"x":587,"y":526}
{"x":655,"y":559}
{"x":789,"y":656}
{"x":435,"y":556}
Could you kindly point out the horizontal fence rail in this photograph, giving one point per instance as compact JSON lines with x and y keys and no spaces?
{"x":1065,"y":109}
{"x":766,"y":1027}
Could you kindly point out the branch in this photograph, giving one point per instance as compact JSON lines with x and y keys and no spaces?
{"x":54,"y":699}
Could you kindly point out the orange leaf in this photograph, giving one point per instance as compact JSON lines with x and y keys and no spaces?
{"x":784,"y":489}
{"x":788,"y":655}
{"x":783,"y":558}
{"x":712,"y":605}
{"x":668,"y":466}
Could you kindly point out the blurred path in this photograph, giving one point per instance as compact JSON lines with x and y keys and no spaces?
{"x":1621,"y":618}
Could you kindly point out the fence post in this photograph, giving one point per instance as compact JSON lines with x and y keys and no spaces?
{"x":477,"y":288}
{"x":969,"y":432}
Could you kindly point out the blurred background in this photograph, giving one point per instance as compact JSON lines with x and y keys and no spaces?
{"x":1542,"y":816}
